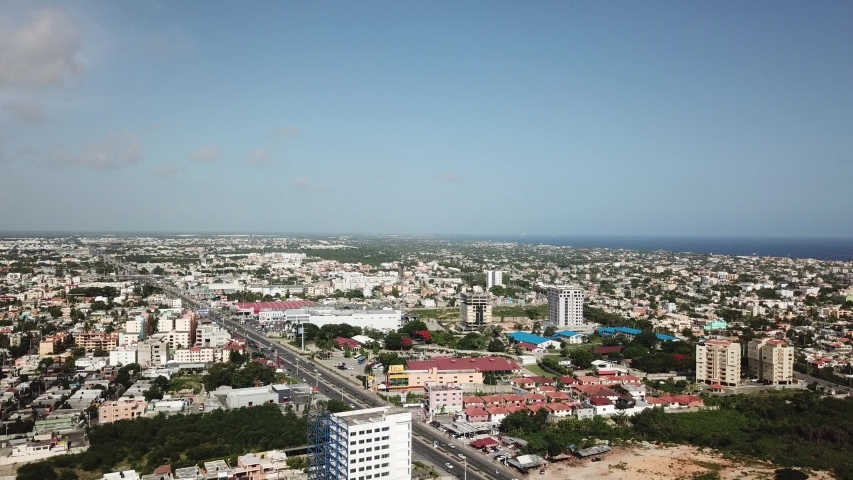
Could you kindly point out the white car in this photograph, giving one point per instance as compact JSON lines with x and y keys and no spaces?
{"x":448,"y":465}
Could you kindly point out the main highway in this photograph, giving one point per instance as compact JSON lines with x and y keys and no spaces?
{"x":424,"y":437}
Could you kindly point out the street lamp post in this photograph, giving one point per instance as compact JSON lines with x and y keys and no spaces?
{"x":465,"y":470}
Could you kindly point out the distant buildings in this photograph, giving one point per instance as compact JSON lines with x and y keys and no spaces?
{"x":565,"y":305}
{"x":770,"y":360}
{"x":494,"y":277}
{"x":718,"y":362}
{"x":375,"y":442}
{"x":475,"y":308}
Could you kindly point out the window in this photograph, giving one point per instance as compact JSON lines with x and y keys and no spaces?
{"x":352,"y":470}
{"x":360,"y":442}
{"x":361,"y":450}
{"x":352,"y":452}
{"x":384,"y":465}
{"x":361,"y":469}
{"x":352,"y":442}
{"x":352,"y":461}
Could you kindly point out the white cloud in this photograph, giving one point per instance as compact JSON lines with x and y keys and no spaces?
{"x":258,"y":158}
{"x":114,"y":153}
{"x":25,"y":111}
{"x":166,"y":170}
{"x":206,"y":154}
{"x":41,"y":53}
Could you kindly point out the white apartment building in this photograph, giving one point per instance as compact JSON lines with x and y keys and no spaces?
{"x":124,"y":355}
{"x":718,"y":362}
{"x":196,"y":355}
{"x":770,"y":361}
{"x":494,"y":277}
{"x":374,"y":443}
{"x":565,"y":305}
{"x":211,"y":335}
{"x":475,"y":308}
{"x":154,"y":351}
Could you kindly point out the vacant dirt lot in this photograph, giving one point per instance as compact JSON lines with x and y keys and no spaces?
{"x":662,"y":463}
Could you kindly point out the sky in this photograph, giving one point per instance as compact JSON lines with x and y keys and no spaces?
{"x":441,"y":117}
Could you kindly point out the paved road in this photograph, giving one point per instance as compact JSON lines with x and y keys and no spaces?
{"x":478,"y":465}
{"x":823,"y":383}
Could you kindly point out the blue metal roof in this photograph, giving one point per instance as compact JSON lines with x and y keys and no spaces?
{"x":567,"y":334}
{"x":608,"y":331}
{"x":528,"y":337}
{"x":665,"y":338}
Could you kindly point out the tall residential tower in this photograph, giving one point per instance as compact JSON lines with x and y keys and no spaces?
{"x":565,"y":305}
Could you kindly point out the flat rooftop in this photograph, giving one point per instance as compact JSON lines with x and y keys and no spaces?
{"x":369,"y":415}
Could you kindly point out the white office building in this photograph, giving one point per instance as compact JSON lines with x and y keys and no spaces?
{"x":375,"y":443}
{"x":565,"y":305}
{"x":384,"y":320}
{"x":494,"y":277}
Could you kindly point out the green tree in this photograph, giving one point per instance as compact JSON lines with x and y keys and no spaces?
{"x":582,"y":358}
{"x":496,"y":346}
{"x":393,"y":341}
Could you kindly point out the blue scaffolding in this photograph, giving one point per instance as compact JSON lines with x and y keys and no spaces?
{"x":328,"y":446}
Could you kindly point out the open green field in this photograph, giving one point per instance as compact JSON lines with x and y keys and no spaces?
{"x":436,"y":313}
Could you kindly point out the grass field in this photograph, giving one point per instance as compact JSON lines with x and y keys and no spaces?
{"x":538,"y":371}
{"x":436,"y":313}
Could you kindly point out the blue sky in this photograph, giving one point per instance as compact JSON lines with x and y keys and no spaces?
{"x":576,"y":118}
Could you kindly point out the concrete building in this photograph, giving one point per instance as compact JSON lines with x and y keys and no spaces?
{"x":196,"y":355}
{"x":565,"y":305}
{"x":494,"y":277}
{"x":383,"y":320}
{"x":211,"y":335}
{"x":124,"y":355}
{"x":254,"y":396}
{"x":440,"y":399}
{"x":718,"y":362}
{"x":154,"y":351}
{"x":475,"y":308}
{"x":355,"y":445}
{"x":92,"y":341}
{"x":121,"y":409}
{"x":770,"y":361}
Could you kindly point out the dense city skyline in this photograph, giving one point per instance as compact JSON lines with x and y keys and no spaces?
{"x":572,"y":119}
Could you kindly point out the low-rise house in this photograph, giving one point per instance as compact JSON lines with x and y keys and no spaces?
{"x":474,"y":415}
{"x":497,"y":414}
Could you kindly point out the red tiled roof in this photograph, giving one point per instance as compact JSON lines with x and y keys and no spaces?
{"x":497,"y":411}
{"x":516,"y":408}
{"x":600,"y":401}
{"x":485,"y":364}
{"x":484,"y":442}
{"x":472,"y":399}
{"x":526,"y":346}
{"x":258,"y":306}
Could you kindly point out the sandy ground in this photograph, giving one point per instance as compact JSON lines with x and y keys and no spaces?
{"x":661,"y":463}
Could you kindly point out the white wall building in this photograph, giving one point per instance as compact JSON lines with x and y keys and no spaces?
{"x":383,"y":320}
{"x":196,"y":355}
{"x":375,"y":442}
{"x":494,"y":277}
{"x":718,"y":362}
{"x":565,"y":305}
{"x":124,"y":355}
{"x":211,"y":335}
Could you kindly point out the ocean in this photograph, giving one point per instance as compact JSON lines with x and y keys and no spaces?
{"x":818,"y":248}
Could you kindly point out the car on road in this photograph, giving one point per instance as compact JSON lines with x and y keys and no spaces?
{"x":451,"y":445}
{"x":448,"y":465}
{"x":460,"y":456}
